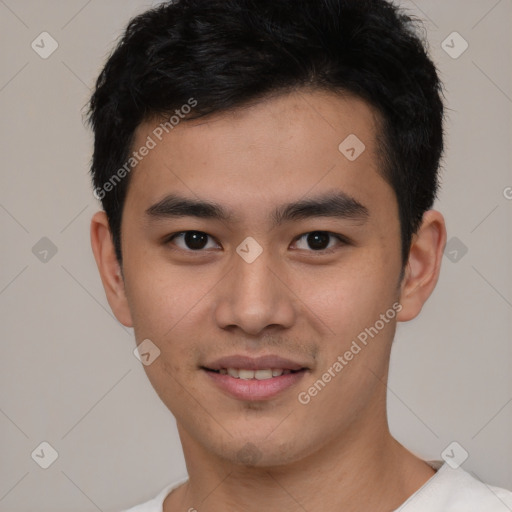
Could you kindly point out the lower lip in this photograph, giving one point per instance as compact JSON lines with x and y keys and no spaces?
{"x":254,"y":389}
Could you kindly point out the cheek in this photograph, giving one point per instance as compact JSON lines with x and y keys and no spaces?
{"x":350,"y":296}
{"x":153,"y":306}
{"x":170,"y":307}
{"x":159,"y":293}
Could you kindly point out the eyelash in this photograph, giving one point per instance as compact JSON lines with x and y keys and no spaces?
{"x":343,"y":241}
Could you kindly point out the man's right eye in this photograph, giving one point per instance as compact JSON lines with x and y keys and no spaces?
{"x":191,"y":241}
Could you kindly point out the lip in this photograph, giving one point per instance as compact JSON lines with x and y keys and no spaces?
{"x":253,"y":389}
{"x":254,"y":363}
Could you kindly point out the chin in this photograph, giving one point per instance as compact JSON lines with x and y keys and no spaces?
{"x":261,"y":454}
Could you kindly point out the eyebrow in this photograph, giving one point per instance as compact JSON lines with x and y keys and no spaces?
{"x":334,"y":204}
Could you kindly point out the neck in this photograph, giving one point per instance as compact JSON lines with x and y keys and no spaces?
{"x":363,"y":470}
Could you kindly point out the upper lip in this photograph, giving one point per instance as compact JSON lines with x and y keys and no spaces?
{"x":254,"y":363}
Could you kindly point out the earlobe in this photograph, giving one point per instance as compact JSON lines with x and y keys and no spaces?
{"x":109,"y":268}
{"x":423,"y":266}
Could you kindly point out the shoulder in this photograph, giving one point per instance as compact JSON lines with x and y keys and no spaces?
{"x":156,"y":504}
{"x":482,"y":497}
{"x":456,"y":490}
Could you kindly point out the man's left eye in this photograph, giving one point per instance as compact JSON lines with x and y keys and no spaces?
{"x":320,"y":240}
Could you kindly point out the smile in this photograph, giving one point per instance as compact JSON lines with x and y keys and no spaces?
{"x":254,"y":385}
{"x":238,"y":373}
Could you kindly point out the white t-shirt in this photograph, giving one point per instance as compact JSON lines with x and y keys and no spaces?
{"x":449,"y":490}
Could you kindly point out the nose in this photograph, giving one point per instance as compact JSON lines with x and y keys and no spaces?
{"x":254,"y":297}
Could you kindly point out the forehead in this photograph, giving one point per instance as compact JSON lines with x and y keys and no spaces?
{"x":280,"y":148}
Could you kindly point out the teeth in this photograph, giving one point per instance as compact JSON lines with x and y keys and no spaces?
{"x":253,"y":374}
{"x":233,"y":373}
{"x":263,"y":374}
{"x":246,"y":374}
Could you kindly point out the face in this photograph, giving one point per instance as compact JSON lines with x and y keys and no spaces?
{"x":289,"y":256}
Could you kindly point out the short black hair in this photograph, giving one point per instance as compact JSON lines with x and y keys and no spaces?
{"x":224,"y":54}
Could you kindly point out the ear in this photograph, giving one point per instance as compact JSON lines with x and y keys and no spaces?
{"x":110,"y":270}
{"x":423,"y":266}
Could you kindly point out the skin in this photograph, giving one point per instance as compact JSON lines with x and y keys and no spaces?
{"x":336,"y":452}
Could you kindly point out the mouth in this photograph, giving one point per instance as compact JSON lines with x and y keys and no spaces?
{"x":251,"y":379}
{"x":246,"y":374}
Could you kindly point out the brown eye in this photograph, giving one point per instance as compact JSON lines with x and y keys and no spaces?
{"x":317,"y":241}
{"x":191,"y":240}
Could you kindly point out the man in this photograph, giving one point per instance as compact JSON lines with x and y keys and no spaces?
{"x":267,"y":172}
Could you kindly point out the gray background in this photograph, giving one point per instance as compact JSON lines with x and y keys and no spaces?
{"x":68,"y":375}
